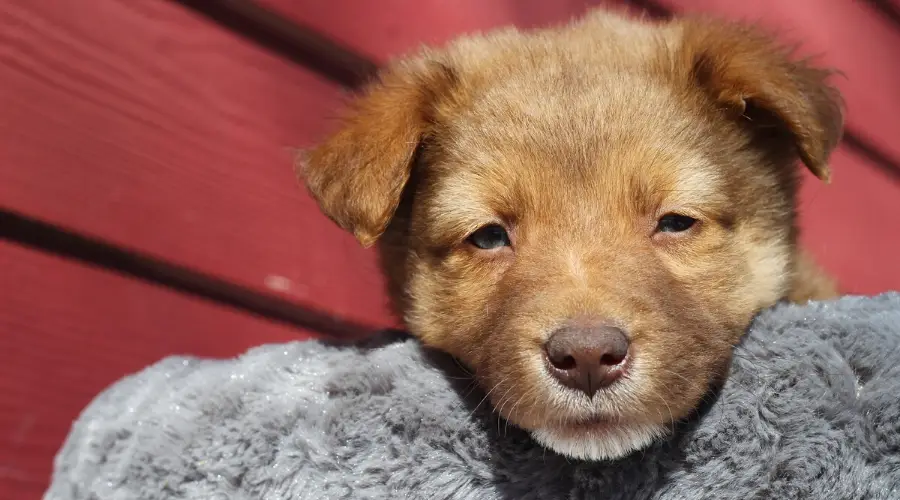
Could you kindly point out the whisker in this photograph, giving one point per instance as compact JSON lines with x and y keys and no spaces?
{"x":462,"y":367}
{"x":503,"y":402}
{"x":526,"y":394}
{"x":485,"y":397}
{"x":669,"y":408}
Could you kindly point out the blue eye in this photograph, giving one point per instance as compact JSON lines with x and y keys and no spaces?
{"x":674,"y":223}
{"x":490,"y":237}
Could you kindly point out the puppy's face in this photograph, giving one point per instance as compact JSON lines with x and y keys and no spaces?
{"x":587,"y":217}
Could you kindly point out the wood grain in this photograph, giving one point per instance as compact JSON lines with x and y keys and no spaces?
{"x":143,"y":124}
{"x":67,"y":332}
{"x":390,"y":28}
{"x":851,"y":225}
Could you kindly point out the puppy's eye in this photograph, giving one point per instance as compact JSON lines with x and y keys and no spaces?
{"x":674,"y":223}
{"x":490,"y":237}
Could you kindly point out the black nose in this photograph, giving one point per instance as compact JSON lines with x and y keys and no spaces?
{"x":588,"y":356}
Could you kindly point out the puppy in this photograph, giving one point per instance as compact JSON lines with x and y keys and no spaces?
{"x":587,"y":216}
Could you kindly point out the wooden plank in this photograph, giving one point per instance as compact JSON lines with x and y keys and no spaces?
{"x":851,"y":225}
{"x":41,"y":236}
{"x":68,"y":331}
{"x":389,"y":28}
{"x":143,"y":124}
{"x":288,"y":39}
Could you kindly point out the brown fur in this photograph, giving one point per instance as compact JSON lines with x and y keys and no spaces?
{"x":577,"y":139}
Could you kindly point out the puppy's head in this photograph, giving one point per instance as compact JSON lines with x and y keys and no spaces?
{"x":588,"y":217}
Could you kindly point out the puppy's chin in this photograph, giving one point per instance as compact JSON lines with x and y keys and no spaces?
{"x":599,"y":442}
{"x":615,"y":422}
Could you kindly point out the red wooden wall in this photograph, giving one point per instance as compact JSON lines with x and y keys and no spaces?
{"x":148,"y":126}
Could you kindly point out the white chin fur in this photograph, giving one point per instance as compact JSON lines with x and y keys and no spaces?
{"x":609,"y":444}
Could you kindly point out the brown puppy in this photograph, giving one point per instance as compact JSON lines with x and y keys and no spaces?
{"x":589,"y":217}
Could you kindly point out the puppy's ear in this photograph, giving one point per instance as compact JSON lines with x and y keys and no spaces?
{"x":357,"y":175}
{"x":750,"y":74}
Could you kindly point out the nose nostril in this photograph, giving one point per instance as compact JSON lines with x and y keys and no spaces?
{"x":611,"y":359}
{"x":563,"y":363}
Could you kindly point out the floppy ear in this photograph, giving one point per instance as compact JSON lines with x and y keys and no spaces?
{"x":749,"y":73}
{"x":357,"y":175}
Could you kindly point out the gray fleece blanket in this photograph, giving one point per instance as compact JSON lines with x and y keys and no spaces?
{"x":810,"y":410}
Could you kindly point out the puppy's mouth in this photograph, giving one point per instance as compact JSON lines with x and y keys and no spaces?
{"x":595,"y":427}
{"x":592,"y":425}
{"x":598,"y":438}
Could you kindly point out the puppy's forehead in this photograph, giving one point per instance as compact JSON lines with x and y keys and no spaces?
{"x":577,"y":185}
{"x":575,"y":125}
{"x":621,"y":140}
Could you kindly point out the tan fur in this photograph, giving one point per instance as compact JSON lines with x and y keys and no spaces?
{"x":577,"y":139}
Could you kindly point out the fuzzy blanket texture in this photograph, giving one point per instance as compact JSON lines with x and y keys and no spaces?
{"x":811,"y":410}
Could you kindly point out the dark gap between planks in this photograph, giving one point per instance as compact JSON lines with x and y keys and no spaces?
{"x":38,"y":235}
{"x":288,"y":39}
{"x":888,"y":9}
